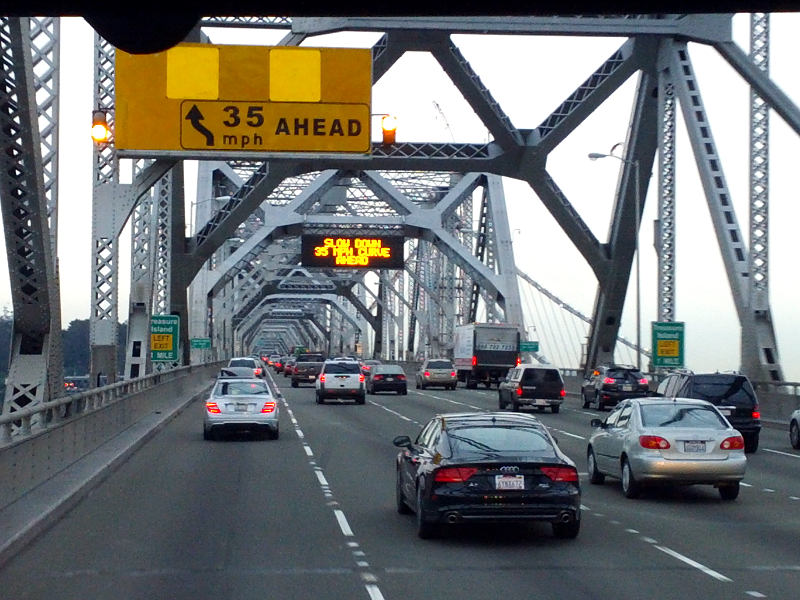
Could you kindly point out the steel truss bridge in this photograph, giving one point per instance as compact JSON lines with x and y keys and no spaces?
{"x":237,"y":278}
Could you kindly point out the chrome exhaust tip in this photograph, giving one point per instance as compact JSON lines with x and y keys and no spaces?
{"x":565,"y":517}
{"x":453,"y":517}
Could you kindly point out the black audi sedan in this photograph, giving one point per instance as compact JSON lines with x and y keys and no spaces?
{"x":486,"y":467}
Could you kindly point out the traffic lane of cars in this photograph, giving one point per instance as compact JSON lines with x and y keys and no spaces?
{"x":603,"y":546}
{"x":187,"y":519}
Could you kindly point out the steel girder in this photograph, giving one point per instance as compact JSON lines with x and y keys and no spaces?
{"x":665,"y":225}
{"x":29,"y":72}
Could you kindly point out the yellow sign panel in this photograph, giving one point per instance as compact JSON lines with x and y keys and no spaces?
{"x":669,"y":348}
{"x":244,"y":98}
{"x":161,"y":341}
{"x":274,"y":126}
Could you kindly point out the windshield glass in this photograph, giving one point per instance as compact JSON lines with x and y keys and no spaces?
{"x":310,"y":358}
{"x":681,"y":415}
{"x":724,"y":389}
{"x":541,"y":376}
{"x":341,"y":367}
{"x":440,"y":364}
{"x":508,"y":439}
{"x":241,"y":388}
{"x":242,"y":362}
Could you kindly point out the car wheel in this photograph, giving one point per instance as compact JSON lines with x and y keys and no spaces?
{"x":555,"y":408}
{"x":630,"y":487}
{"x":453,"y":387}
{"x":402,"y":507}
{"x":750,"y":443}
{"x":207,"y":434}
{"x":514,"y":406}
{"x":425,"y":529}
{"x":566,"y":530}
{"x":370,"y":391}
{"x":595,"y":476}
{"x":500,"y":404}
{"x":600,"y":406}
{"x":361,"y":399}
{"x":294,"y":383}
{"x":586,"y":402}
{"x":729,"y":491}
{"x":404,"y":392}
{"x":320,"y":399}
{"x":794,"y":434}
{"x":488,"y":384}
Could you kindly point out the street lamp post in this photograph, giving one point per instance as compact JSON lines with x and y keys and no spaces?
{"x":635,"y":163}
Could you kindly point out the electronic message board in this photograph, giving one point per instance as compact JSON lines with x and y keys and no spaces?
{"x":352,"y":251}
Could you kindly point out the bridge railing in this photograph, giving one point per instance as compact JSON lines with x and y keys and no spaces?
{"x":31,"y":420}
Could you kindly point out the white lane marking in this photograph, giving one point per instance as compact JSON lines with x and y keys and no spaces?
{"x":755,"y":594}
{"x":743,"y":484}
{"x":782,"y":453}
{"x":472,"y":406}
{"x":649,"y":540}
{"x":307,"y":448}
{"x":695,"y":564}
{"x":374,"y":592}
{"x":793,"y":498}
{"x":572,"y":435}
{"x":395,"y":413}
{"x":631,"y":531}
{"x":300,"y":433}
{"x":343,"y":524}
{"x":768,"y":490}
{"x":321,"y":477}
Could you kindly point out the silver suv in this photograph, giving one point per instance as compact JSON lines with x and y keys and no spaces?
{"x":437,"y":371}
{"x":341,"y":379}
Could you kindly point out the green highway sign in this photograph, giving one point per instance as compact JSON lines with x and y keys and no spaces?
{"x":201,"y":343}
{"x":529,"y":346}
{"x":668,"y":346}
{"x":164,"y":338}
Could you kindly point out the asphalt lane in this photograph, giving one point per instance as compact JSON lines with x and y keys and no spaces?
{"x":312,"y":515}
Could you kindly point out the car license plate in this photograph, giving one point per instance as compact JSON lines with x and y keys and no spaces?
{"x":541,"y":402}
{"x":627,"y":388}
{"x":390,"y":379}
{"x":241,"y":407}
{"x":509,"y":482}
{"x":694,"y":446}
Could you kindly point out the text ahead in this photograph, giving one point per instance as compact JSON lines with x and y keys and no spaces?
{"x":366,"y":252}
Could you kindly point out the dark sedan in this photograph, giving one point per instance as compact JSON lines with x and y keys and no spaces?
{"x":486,"y":467}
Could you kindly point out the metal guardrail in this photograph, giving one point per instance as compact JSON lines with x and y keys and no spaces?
{"x":778,"y":387}
{"x":32,"y":420}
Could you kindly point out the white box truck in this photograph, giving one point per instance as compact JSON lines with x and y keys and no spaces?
{"x":484,"y":352}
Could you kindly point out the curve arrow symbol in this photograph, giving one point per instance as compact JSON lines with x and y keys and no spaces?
{"x":194,"y":116}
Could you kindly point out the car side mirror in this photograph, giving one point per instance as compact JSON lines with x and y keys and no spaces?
{"x":402,"y":441}
{"x":595,"y":423}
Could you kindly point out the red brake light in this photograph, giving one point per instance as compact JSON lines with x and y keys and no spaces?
{"x":474,"y":360}
{"x":608,"y":380}
{"x":401,"y":377}
{"x":452,"y":373}
{"x":563,"y":392}
{"x":733,"y":443}
{"x":519,"y":391}
{"x":644,"y":381}
{"x":361,"y":378}
{"x":653,"y":442}
{"x":322,"y":378}
{"x":377,"y":377}
{"x":454,"y":474}
{"x":212,"y":407}
{"x":426,"y":374}
{"x":756,"y":413}
{"x":257,"y":371}
{"x":518,"y":360}
{"x":560,"y":473}
{"x":268,"y":407}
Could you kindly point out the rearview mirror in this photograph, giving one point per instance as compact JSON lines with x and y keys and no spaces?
{"x":595,"y":423}
{"x":402,"y":441}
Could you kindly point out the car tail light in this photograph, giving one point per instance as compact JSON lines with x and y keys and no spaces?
{"x":756,"y":413}
{"x":269,"y":407}
{"x":474,"y":360}
{"x":562,"y":393}
{"x":361,"y":378}
{"x":377,"y":377}
{"x":401,"y":377}
{"x":426,"y":374}
{"x":732,"y":443}
{"x":452,"y":373}
{"x":322,"y":378}
{"x":365,"y":367}
{"x":560,"y":473}
{"x":643,"y":381}
{"x":454,"y":474}
{"x":653,"y":442}
{"x":518,"y":360}
{"x":257,"y":371}
{"x":608,"y":380}
{"x":519,"y":391}
{"x":212,"y":407}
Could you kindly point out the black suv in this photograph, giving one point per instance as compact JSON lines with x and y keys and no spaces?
{"x":534,"y":385}
{"x":731,"y":393}
{"x":608,"y":384}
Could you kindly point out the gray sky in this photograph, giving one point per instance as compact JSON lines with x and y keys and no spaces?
{"x":522,"y":75}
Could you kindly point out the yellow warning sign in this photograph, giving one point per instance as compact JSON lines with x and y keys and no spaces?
{"x":204,"y":97}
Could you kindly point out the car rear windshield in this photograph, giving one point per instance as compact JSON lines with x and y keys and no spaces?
{"x":241,"y":388}
{"x":732,"y":390}
{"x":498,"y":439}
{"x":341,"y":367}
{"x":625,"y":374}
{"x":440,"y":364}
{"x":681,"y":415}
{"x":242,"y":362}
{"x":541,"y":376}
{"x":310,"y":358}
{"x":388,"y":369}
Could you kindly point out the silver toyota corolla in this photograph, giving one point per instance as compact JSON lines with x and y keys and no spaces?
{"x":238,"y":404}
{"x":682,"y":441}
